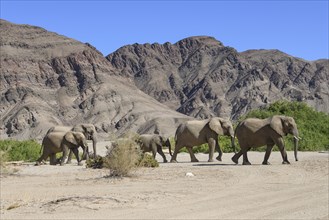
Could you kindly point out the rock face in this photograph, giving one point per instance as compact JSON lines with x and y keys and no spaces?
{"x":200,"y":77}
{"x":48,"y":79}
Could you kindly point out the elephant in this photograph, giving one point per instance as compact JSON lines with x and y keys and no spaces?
{"x":253,"y":132}
{"x":154,"y":143}
{"x":87,"y":129}
{"x":56,"y":142}
{"x":196,"y":132}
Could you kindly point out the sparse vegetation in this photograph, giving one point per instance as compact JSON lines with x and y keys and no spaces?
{"x":20,"y":150}
{"x":147,"y":160}
{"x":122,"y":158}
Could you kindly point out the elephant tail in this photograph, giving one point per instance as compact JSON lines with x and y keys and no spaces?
{"x":169,"y":146}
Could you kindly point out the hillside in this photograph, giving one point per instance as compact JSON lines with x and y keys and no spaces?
{"x":201,"y":77}
{"x":49,"y":79}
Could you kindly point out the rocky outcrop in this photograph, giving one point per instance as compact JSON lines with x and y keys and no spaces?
{"x":201,"y":77}
{"x":48,"y":79}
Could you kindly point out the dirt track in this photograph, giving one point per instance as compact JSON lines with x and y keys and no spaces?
{"x":219,"y":190}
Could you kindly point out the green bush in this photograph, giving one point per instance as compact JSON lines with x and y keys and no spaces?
{"x":313,"y":126}
{"x":20,"y":150}
{"x":147,"y":160}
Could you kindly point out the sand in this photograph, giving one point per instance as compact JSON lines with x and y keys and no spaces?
{"x":184,"y":190}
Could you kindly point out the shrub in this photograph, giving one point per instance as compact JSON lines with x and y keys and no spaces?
{"x":146,"y":160}
{"x":21,"y":150}
{"x":122,"y":158}
{"x":95,"y":163}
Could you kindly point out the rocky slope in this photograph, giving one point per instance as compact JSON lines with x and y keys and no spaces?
{"x":201,"y":77}
{"x":49,"y":79}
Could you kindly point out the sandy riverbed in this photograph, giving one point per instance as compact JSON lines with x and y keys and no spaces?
{"x":219,"y":190}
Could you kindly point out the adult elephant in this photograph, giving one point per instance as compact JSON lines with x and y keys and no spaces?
{"x":255,"y":132}
{"x":154,"y":143}
{"x":197,"y":132}
{"x":56,"y":142}
{"x":87,"y":129}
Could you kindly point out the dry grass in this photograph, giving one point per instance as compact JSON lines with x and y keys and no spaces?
{"x":122,"y":159}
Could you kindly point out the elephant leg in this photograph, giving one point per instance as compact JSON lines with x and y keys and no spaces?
{"x":284,"y":155}
{"x":220,"y":152}
{"x":69,"y":157}
{"x":211,"y":144}
{"x":236,"y":157}
{"x":53,"y":160}
{"x":193,"y":158}
{"x":43,"y":157}
{"x":245,"y":157}
{"x":267,"y":154}
{"x":76,"y":154}
{"x":65,"y":153}
{"x":162,"y":154}
{"x":174,"y":156}
{"x":154,"y":150}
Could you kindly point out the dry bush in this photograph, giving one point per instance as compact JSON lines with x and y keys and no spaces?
{"x":123,"y":157}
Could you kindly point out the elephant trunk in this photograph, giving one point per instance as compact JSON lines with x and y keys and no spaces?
{"x":94,"y":139}
{"x":296,"y":139}
{"x":169,"y":146}
{"x":85,"y":150}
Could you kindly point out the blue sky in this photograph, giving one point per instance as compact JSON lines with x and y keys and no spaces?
{"x":298,"y":28}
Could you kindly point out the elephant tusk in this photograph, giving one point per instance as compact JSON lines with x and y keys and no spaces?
{"x":297,"y":138}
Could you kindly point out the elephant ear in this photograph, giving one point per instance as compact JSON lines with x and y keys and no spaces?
{"x":70,"y":137}
{"x":216,"y":126}
{"x":276,"y":125}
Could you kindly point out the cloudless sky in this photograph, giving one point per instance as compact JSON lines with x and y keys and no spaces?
{"x":298,"y":28}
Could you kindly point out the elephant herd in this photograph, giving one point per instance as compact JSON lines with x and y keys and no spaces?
{"x":250,"y":133}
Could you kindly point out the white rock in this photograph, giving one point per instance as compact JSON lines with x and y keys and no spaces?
{"x":189,"y":174}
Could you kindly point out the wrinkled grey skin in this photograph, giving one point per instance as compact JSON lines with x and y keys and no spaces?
{"x":197,"y":132}
{"x":56,"y":142}
{"x":255,"y":132}
{"x":87,"y":129}
{"x":152,"y":143}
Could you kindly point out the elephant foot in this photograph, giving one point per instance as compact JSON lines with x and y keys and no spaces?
{"x":165,"y":161}
{"x":266,"y":163}
{"x":246,"y":163}
{"x":286,"y":162}
{"x":194,"y":160}
{"x":173,"y":161}
{"x":37,"y":164}
{"x":236,"y":161}
{"x":219,"y":158}
{"x":69,"y":162}
{"x":210,"y":160}
{"x":80,"y":164}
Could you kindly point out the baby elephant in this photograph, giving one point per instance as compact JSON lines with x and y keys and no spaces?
{"x":154,"y":143}
{"x":56,"y":142}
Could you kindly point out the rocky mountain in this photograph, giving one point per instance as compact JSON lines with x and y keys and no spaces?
{"x":200,"y":77}
{"x":49,"y":79}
